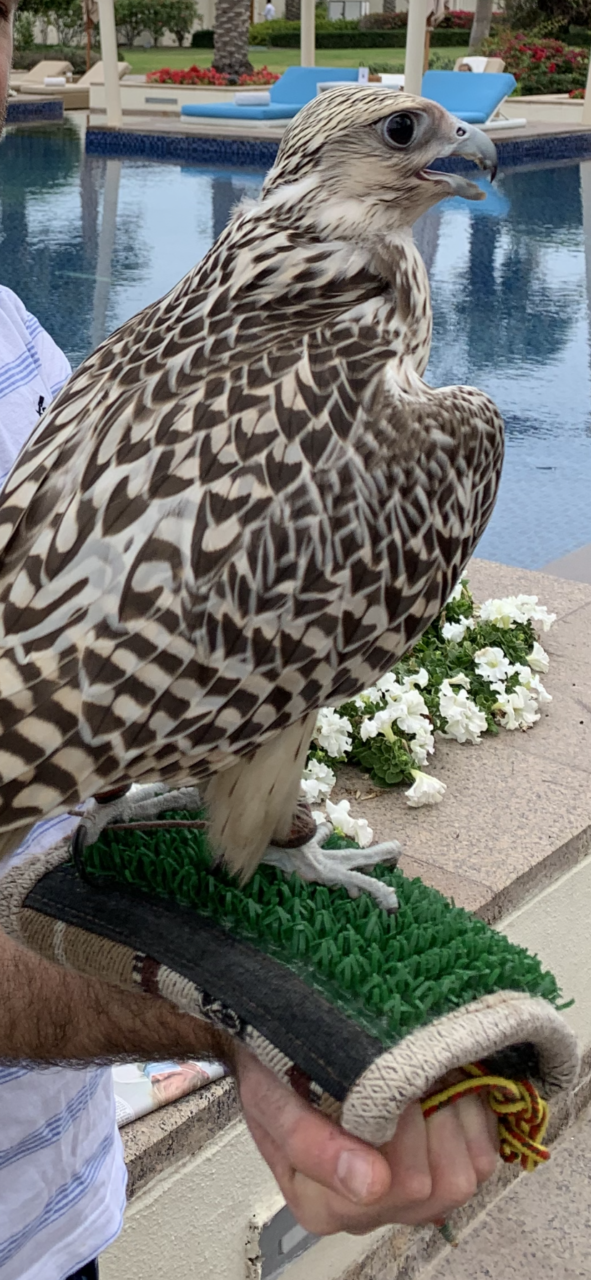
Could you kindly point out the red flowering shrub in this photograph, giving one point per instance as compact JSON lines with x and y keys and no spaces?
{"x":262,"y":76}
{"x":457,"y":20}
{"x":541,"y":66}
{"x":207,"y":76}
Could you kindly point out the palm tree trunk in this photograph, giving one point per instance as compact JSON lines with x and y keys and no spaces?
{"x":232,"y":20}
{"x":293,"y":10}
{"x":389,"y":6}
{"x":482,"y":21}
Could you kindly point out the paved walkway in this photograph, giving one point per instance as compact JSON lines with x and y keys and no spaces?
{"x":576,"y":565}
{"x":540,"y":1229}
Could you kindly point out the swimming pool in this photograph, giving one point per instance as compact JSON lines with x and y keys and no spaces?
{"x":87,"y":241}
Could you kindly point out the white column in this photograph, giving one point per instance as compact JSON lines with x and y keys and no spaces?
{"x":308,"y":33}
{"x":587,"y":101}
{"x":109,"y":57}
{"x":106,"y":246}
{"x":415,"y":44}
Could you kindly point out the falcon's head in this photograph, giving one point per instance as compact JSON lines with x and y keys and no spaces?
{"x":362,"y":154}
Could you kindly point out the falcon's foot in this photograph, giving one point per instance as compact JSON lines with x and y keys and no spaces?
{"x":139,"y":805}
{"x":338,"y":867}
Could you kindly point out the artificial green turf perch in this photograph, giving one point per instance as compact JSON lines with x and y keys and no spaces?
{"x":389,"y":973}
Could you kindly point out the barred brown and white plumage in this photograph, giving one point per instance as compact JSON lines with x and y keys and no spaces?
{"x":246,"y":503}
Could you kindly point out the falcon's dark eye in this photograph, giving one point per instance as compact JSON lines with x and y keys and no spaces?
{"x":400,"y":129}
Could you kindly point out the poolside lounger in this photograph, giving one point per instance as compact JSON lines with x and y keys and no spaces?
{"x":76,"y":97}
{"x":474,"y":98}
{"x":296,"y":87}
{"x":25,"y":81}
{"x":474,"y":63}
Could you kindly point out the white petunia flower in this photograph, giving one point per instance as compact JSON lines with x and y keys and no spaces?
{"x":456,"y":593}
{"x":422,"y":744}
{"x":463,"y":719}
{"x":516,"y":710}
{"x":538,"y":658}
{"x":373,"y":694}
{"x":420,"y":678}
{"x":424,"y":790}
{"x":455,"y":631}
{"x":357,"y":828}
{"x":388,"y":685}
{"x":317,"y":781}
{"x":507,"y":610}
{"x":333,"y":732}
{"x":408,"y":709}
{"x":369,"y":728}
{"x":460,"y":679}
{"x":491,"y":664}
{"x":532,"y":683}
{"x":534,"y":612}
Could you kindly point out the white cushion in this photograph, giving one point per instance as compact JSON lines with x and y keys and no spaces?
{"x":253,"y":98}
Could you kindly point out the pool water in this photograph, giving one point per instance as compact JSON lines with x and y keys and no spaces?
{"x":87,"y":242}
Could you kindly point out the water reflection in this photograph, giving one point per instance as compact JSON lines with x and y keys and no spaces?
{"x":87,"y":242}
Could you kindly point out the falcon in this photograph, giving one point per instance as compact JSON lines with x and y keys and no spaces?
{"x":246,"y":503}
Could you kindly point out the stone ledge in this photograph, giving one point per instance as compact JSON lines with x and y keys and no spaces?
{"x":159,"y":1140}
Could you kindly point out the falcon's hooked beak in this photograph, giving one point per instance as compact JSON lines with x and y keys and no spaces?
{"x":472,"y":144}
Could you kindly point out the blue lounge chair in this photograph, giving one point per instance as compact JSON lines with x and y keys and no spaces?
{"x":474,"y":98}
{"x":296,"y":87}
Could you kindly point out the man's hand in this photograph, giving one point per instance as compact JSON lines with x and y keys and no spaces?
{"x":332,"y":1182}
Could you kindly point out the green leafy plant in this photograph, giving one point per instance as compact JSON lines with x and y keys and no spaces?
{"x":24,"y":30}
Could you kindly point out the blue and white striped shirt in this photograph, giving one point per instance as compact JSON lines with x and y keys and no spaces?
{"x":62,"y":1175}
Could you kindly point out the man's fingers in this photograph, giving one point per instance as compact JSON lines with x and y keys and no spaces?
{"x":408,"y":1155}
{"x":333,"y":1182}
{"x":452,"y":1171}
{"x":481,"y":1133}
{"x":309,"y":1143}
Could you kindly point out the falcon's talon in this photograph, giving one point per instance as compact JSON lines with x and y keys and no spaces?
{"x":338,"y":867}
{"x":140,"y":804}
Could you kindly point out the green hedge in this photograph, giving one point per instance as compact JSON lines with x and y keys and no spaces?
{"x":202,"y":40}
{"x":580,"y":36}
{"x":26,"y":59}
{"x":356,"y":39}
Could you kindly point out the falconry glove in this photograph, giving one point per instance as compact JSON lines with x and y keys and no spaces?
{"x":359,"y":1008}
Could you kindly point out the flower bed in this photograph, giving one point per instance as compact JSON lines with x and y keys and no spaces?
{"x":475,"y":671}
{"x":541,"y":66}
{"x":207,"y":76}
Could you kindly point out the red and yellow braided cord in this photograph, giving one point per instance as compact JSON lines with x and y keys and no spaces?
{"x":522,"y":1114}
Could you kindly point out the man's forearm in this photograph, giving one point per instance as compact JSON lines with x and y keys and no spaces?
{"x":48,"y":1014}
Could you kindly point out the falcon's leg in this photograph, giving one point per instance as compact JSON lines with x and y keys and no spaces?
{"x":337,"y":867}
{"x":253,"y":802}
{"x":138,"y":804}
